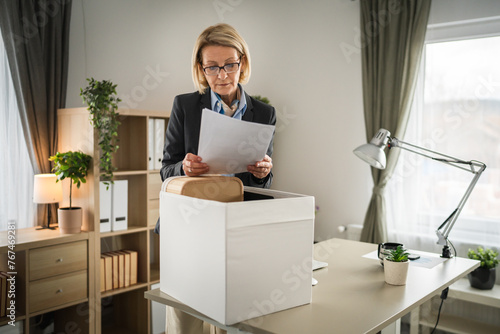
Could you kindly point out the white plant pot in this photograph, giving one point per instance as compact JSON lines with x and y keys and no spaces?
{"x":70,"y":220}
{"x":395,"y":273}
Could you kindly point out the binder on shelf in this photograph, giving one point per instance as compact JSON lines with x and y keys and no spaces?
{"x":133,"y":266}
{"x":104,"y":207}
{"x":151,"y":143}
{"x":159,"y":139}
{"x":119,"y":199}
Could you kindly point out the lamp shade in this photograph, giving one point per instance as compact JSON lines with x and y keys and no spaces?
{"x":46,"y":190}
{"x":373,"y":152}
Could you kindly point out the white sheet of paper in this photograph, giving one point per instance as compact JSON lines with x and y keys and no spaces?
{"x":229,"y":145}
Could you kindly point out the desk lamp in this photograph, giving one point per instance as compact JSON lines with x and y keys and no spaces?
{"x":46,"y":191}
{"x":373,"y":154}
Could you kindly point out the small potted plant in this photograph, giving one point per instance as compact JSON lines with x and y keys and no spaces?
{"x":396,"y":265}
{"x":75,"y":166}
{"x":483,"y":277}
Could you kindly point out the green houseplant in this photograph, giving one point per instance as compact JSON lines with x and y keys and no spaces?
{"x":102,"y":102}
{"x":74,"y":166}
{"x":483,"y":277}
{"x":396,"y":265}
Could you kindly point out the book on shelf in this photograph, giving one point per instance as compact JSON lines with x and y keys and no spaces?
{"x":126,"y":268}
{"x":114,"y":270}
{"x":133,"y":266}
{"x":120,"y":269}
{"x":102,"y":274}
{"x":108,"y":272}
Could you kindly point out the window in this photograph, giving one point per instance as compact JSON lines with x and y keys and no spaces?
{"x":16,"y":172}
{"x":456,"y":111}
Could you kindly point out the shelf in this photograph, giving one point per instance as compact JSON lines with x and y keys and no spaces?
{"x":129,"y":230}
{"x":463,"y":291}
{"x":58,"y":307}
{"x":154,"y":171}
{"x":155,"y":275}
{"x":32,"y":238}
{"x":5,"y":320}
{"x":126,"y":172}
{"x":113,"y":292}
{"x":459,"y":325}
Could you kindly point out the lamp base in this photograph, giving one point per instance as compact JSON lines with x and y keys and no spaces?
{"x":45,"y":228}
{"x":48,"y":227}
{"x":446,"y":252}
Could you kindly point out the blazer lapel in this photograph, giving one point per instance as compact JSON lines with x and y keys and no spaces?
{"x":205,"y":101}
{"x":248,"y":116}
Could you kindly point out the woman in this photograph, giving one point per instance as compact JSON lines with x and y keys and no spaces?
{"x":220,"y":64}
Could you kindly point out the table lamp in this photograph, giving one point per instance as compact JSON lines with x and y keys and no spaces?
{"x":373,"y":154}
{"x":46,"y":191}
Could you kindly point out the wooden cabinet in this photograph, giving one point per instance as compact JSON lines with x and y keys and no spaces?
{"x":51,"y":272}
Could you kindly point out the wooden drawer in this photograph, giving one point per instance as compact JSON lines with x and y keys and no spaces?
{"x":59,"y":290}
{"x":59,"y":259}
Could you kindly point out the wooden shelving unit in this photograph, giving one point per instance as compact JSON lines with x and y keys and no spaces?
{"x":123,"y":310}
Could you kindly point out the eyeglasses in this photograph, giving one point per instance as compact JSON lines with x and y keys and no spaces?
{"x":228,"y":68}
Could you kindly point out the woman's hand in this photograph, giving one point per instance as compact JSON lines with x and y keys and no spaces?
{"x":261,"y":168}
{"x":193,"y":166}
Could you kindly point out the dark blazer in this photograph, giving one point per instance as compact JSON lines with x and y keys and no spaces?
{"x":183,"y":133}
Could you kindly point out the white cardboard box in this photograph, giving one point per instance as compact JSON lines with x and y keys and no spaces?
{"x":237,"y":261}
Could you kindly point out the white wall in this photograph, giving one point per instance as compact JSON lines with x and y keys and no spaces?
{"x":444,"y":11}
{"x":297,"y":63}
{"x":145,"y":47}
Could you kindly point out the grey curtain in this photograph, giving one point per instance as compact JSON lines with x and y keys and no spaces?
{"x":36,"y":38}
{"x":392,"y":40}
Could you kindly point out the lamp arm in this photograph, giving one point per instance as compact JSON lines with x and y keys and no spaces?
{"x":443,"y":236}
{"x":446,"y":159}
{"x":475,"y":167}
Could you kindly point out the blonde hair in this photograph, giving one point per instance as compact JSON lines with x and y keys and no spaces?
{"x":224,"y":35}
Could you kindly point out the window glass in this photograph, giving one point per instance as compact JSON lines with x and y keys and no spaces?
{"x":456,"y":111}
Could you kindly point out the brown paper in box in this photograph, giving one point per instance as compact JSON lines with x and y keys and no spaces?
{"x":215,"y":188}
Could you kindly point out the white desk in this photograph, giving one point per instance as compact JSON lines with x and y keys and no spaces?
{"x":351,"y":296}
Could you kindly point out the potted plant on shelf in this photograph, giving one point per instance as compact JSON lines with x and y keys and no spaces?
{"x":75,"y":166}
{"x":102,"y":102}
{"x":396,"y":265}
{"x":483,"y":277}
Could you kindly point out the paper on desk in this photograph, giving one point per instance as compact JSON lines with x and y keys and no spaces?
{"x":229,"y":145}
